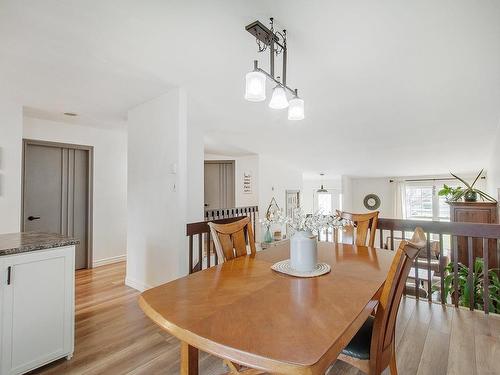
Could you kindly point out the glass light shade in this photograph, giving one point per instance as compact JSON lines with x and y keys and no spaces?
{"x":278,"y":100}
{"x":296,"y":109}
{"x":255,"y":88}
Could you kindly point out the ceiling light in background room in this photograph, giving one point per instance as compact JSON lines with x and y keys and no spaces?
{"x":296,"y":108}
{"x":256,"y":79}
{"x":322,"y":189}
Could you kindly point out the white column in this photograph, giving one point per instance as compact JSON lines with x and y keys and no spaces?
{"x":11,"y":133}
{"x":165,"y":189}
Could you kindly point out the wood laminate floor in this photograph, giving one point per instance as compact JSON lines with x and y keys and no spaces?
{"x":113,"y":336}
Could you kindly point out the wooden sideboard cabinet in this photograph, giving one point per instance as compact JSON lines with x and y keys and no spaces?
{"x":475,"y":212}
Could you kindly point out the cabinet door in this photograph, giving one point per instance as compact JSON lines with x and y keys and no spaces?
{"x":3,"y":282}
{"x":38,"y":309}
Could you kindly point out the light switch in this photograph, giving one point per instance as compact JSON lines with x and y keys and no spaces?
{"x":173,"y":168}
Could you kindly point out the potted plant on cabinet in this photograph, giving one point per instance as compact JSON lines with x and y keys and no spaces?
{"x":469,"y":193}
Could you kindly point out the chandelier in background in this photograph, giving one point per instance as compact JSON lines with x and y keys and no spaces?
{"x":255,"y":88}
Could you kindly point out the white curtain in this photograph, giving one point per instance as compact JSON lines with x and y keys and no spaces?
{"x":399,"y":200}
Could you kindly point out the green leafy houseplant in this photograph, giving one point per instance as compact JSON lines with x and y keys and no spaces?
{"x":463,"y":287}
{"x":449,"y":192}
{"x":469,"y":194}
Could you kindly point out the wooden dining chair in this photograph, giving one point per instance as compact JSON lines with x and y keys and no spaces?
{"x":230,"y":242}
{"x":231,"y":239}
{"x":372,"y":349}
{"x":363,"y":223}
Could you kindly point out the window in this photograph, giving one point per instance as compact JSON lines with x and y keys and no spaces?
{"x":422,"y":201}
{"x":419,"y":202}
{"x":325,"y":203}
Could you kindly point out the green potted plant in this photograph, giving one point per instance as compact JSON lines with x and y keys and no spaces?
{"x":469,"y":194}
{"x":449,"y":192}
{"x":462,"y":289}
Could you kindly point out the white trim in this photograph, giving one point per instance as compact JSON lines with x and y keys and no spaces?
{"x":138,"y":285}
{"x":103,"y":262}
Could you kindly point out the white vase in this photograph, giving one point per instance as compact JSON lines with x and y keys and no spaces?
{"x":303,"y":251}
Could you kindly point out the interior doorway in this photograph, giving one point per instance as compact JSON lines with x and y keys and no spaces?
{"x":57,"y":193}
{"x":219,"y":184}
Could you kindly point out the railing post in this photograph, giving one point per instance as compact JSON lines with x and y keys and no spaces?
{"x":200,"y":250}
{"x":455,"y":296}
{"x":486,"y":281}
{"x":441,"y":268}
{"x":470,"y":278}
{"x":429,"y":279}
{"x":417,"y":278}
{"x":208,"y":249}
{"x":190,"y":254}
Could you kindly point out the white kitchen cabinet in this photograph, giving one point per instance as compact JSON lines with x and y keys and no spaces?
{"x":37,"y":308}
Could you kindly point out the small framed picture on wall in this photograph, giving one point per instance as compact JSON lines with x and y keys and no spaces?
{"x":247,"y":182}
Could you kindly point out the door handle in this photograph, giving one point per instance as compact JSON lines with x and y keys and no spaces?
{"x":31,"y":218}
{"x":9,"y":271}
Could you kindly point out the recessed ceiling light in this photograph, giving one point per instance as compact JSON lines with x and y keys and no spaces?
{"x":70,"y":114}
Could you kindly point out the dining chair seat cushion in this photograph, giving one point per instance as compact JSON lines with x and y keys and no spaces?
{"x":359,"y":347}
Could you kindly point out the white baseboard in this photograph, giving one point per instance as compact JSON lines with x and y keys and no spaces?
{"x":103,"y":262}
{"x":138,"y":285}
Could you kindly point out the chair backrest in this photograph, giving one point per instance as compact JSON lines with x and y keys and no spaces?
{"x":229,"y":239}
{"x":387,"y":309}
{"x":364,"y":223}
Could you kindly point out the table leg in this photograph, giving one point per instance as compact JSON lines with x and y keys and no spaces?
{"x":189,"y":359}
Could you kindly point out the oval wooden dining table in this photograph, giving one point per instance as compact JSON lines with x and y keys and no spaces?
{"x":247,"y":313}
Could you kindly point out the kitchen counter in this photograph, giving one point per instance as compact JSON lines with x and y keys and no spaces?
{"x":37,"y":300}
{"x":15,"y":243}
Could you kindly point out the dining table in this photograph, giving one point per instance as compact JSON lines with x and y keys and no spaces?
{"x":245,"y":312}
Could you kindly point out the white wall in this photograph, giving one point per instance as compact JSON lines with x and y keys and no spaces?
{"x":161,"y":202}
{"x":493,"y":181}
{"x":346,"y":193}
{"x":379,"y":186}
{"x":275,"y":178}
{"x":110,"y":180}
{"x":247,"y":163}
{"x":11,"y":129}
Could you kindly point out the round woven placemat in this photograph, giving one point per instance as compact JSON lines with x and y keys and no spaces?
{"x":285,"y":267}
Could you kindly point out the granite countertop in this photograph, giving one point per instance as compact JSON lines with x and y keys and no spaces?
{"x":15,"y":243}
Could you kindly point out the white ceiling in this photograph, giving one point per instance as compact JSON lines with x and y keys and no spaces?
{"x":391,"y":87}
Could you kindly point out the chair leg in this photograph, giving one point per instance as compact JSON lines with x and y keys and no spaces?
{"x":393,"y":365}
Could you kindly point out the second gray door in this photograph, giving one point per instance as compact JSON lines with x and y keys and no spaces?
{"x":219,"y":184}
{"x":56,"y":192}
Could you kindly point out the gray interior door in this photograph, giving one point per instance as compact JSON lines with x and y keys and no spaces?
{"x":219,"y":184}
{"x":56,"y":191}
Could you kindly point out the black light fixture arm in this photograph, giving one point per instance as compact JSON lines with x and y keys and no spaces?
{"x":282,"y":84}
{"x":276,"y":40}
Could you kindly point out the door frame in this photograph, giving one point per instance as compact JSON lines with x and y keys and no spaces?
{"x":90,"y":187}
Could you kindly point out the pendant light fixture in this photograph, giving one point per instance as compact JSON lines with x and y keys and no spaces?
{"x":322,"y":189}
{"x":255,"y":89}
{"x":278,"y":100}
{"x":296,"y":108}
